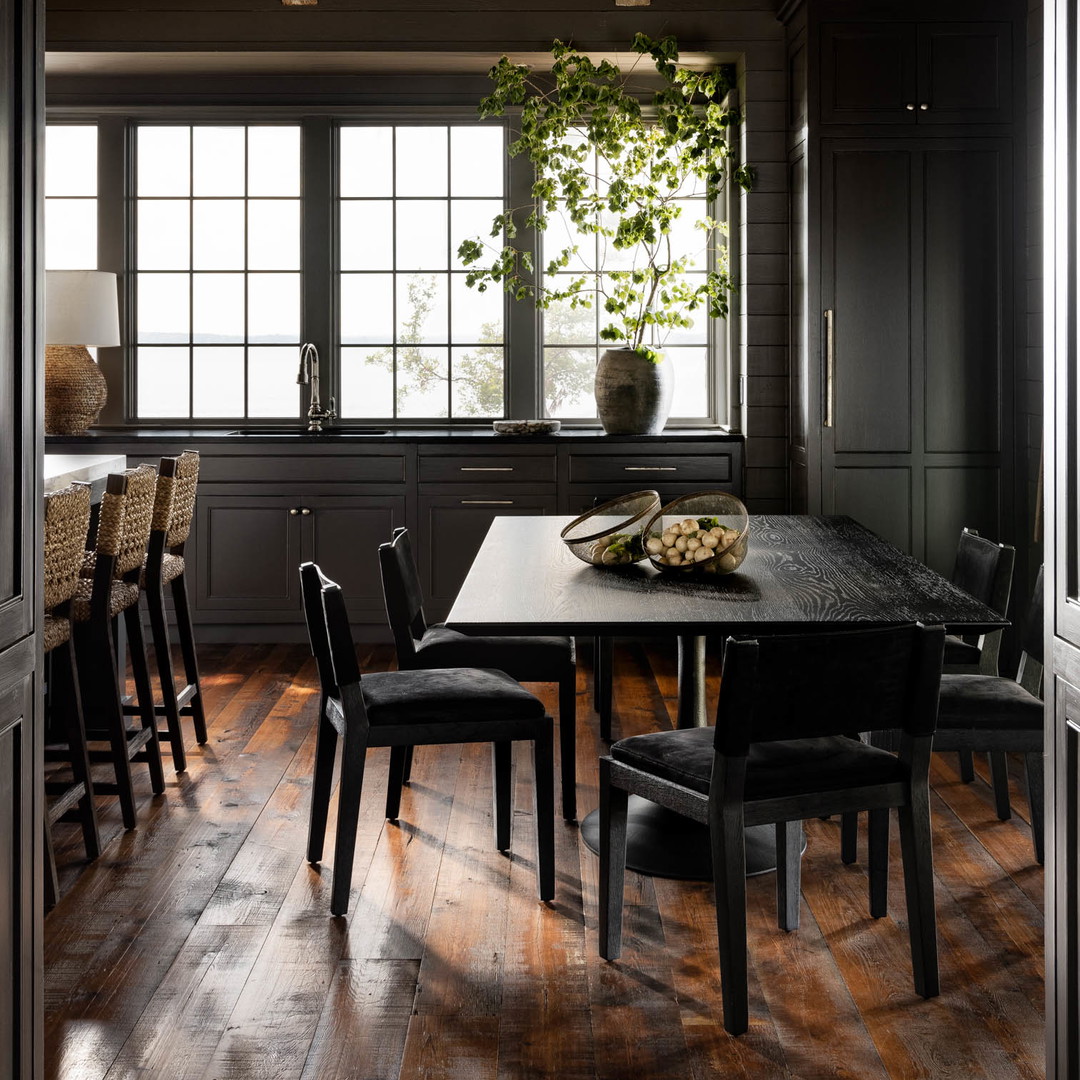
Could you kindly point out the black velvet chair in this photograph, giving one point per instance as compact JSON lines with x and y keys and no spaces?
{"x":995,"y":714}
{"x":778,"y":753}
{"x":984,"y":569}
{"x":527,"y":659}
{"x":400,"y":709}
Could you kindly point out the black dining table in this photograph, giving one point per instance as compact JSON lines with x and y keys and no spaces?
{"x":801,"y":574}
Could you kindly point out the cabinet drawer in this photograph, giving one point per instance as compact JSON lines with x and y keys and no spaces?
{"x":487,"y":468}
{"x":651,"y":470}
{"x":388,"y":468}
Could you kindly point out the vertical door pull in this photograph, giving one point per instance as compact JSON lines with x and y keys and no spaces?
{"x":830,"y":365}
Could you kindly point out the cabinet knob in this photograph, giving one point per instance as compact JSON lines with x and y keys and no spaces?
{"x":910,"y":106}
{"x":293,"y":511}
{"x":924,"y":106}
{"x":304,"y":510}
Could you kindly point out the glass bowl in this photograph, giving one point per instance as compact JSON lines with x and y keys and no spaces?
{"x":703,"y":533}
{"x":610,"y":535}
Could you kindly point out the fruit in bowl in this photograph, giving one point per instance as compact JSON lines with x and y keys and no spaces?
{"x":610,"y":535}
{"x":711,"y":539}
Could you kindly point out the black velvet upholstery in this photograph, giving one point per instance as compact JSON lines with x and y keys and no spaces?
{"x":790,"y":767}
{"x":959,"y":651}
{"x":976,"y":567}
{"x":445,"y":694}
{"x":530,"y":659}
{"x":987,"y":702}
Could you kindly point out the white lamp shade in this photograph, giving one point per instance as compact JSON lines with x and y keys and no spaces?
{"x":81,"y":308}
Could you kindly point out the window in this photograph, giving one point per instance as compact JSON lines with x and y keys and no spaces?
{"x":416,"y":342}
{"x":242,"y":237}
{"x":217,"y":270}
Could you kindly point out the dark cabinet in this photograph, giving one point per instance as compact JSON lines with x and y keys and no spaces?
{"x":250,"y":546}
{"x":916,"y":73}
{"x":916,"y":265}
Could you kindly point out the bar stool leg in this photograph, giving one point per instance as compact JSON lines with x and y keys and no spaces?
{"x":178,"y":585}
{"x":65,"y":674}
{"x":159,"y":630}
{"x":145,"y":697}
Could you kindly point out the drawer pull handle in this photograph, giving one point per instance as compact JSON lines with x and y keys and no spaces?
{"x":487,"y":502}
{"x":294,"y":511}
{"x":486,"y":468}
{"x":650,"y":468}
{"x":305,"y":511}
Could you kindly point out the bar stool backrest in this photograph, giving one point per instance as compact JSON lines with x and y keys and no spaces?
{"x":182,"y":475}
{"x":67,"y":519}
{"x":127,"y":509}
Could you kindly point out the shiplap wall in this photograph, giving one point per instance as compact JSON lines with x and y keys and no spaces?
{"x":744,"y":31}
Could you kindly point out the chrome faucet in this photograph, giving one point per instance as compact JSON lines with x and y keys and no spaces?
{"x":309,"y":376}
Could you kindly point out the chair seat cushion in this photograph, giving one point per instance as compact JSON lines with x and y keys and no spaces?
{"x":56,"y":630}
{"x":530,"y":659}
{"x":958,"y":651}
{"x":789,"y":767}
{"x":172,"y":566}
{"x":989,"y":702}
{"x":122,"y":595}
{"x":446,"y":694}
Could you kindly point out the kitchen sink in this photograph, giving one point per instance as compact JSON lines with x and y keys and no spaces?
{"x":301,"y":429}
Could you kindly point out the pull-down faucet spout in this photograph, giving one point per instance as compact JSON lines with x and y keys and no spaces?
{"x":309,"y":376}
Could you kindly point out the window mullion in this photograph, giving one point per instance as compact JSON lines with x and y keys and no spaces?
{"x":319,"y":252}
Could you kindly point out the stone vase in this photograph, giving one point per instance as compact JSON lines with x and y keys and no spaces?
{"x":633,"y":395}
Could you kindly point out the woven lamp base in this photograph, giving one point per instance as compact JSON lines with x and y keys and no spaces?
{"x":75,"y":390}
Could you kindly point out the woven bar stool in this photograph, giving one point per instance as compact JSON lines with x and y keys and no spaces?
{"x":174,"y":508}
{"x":67,"y":518}
{"x":108,"y":588}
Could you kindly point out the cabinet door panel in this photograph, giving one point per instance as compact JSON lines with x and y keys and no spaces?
{"x":966,"y":273}
{"x":345,"y":534}
{"x":867,"y":73}
{"x":958,"y":497}
{"x":965,"y":73}
{"x":879,"y":498}
{"x":869,"y":213}
{"x":451,"y":531}
{"x":249,"y":552}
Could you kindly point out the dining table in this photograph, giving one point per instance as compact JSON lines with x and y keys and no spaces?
{"x":801,"y":574}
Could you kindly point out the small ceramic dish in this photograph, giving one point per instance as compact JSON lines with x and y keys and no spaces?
{"x":526,"y":427}
{"x":704,"y":533}
{"x":610,"y":535}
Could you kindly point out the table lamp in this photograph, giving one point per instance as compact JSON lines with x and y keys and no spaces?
{"x":80,"y":310}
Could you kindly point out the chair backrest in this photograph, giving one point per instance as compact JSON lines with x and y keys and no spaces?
{"x":311,"y":582}
{"x":67,"y":519}
{"x":127,"y":509}
{"x":181,"y":477}
{"x":402,"y":595}
{"x":809,"y":685}
{"x":1033,"y":633}
{"x":984,"y":569}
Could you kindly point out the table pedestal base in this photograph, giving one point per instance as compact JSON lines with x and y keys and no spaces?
{"x":662,"y":843}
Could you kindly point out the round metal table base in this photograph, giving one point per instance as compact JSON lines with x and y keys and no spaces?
{"x":661,"y":843}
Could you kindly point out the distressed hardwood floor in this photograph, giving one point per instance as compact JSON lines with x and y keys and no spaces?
{"x":200,"y":944}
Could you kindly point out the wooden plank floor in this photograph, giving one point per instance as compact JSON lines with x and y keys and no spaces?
{"x":200,"y":944}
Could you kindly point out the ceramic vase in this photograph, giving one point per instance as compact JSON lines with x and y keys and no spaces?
{"x":633,"y":395}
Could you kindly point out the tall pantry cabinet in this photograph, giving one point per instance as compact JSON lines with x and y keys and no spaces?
{"x":905,"y":158}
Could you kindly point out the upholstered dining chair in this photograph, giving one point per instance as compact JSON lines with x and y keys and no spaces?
{"x":111,"y":590}
{"x":419,"y":707}
{"x":67,"y":518}
{"x":779,"y":754}
{"x":174,"y":508}
{"x":527,"y":659}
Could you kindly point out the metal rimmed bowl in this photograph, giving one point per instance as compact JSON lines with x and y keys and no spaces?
{"x":704,"y":533}
{"x":610,"y":535}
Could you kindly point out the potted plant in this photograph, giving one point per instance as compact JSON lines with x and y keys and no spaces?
{"x":620,"y":172}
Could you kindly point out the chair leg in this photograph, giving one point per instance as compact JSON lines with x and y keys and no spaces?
{"x":140,"y":669}
{"x":159,"y":632}
{"x":789,"y":835}
{"x":568,"y":743}
{"x":967,"y":766}
{"x":613,"y":801}
{"x":101,"y":693}
{"x":544,"y":802}
{"x":604,"y":655}
{"x":999,"y":779}
{"x":394,"y":782}
{"x":52,"y":885}
{"x":186,"y":632}
{"x":729,"y":880}
{"x":406,"y":773}
{"x":919,"y":889}
{"x":878,"y":862}
{"x":501,"y":795}
{"x":353,"y":755}
{"x":321,"y":784}
{"x":1033,"y":766}
{"x":849,"y":836}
